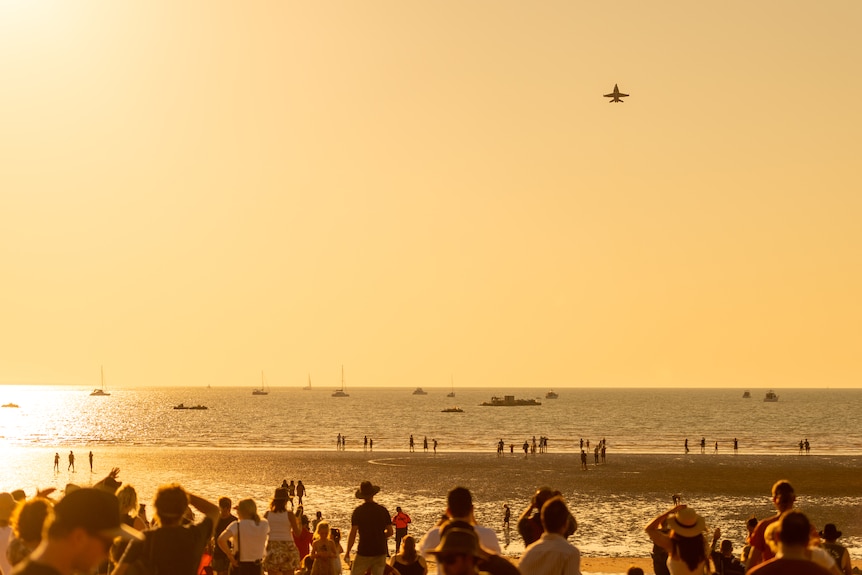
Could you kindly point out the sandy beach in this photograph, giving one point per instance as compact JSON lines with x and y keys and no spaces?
{"x":612,"y":502}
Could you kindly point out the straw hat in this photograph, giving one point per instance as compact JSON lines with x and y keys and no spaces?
{"x":686,"y":523}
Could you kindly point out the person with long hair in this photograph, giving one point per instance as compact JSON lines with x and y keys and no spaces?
{"x":28,"y":520}
{"x":323,"y":549}
{"x":282,"y":554}
{"x":684,"y":543}
{"x":248,"y":534}
{"x":408,"y":561}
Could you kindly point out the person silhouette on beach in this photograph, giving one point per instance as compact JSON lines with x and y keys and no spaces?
{"x":71,"y":462}
{"x":300,"y":492}
{"x":703,"y":445}
{"x":716,"y":447}
{"x":583,"y":460}
{"x":91,"y":461}
{"x":686,"y":445}
{"x":365,"y":443}
{"x":735,"y":445}
{"x":425,"y":444}
{"x":435,"y":446}
{"x":507,"y":515}
{"x":526,"y":447}
{"x":371,"y":445}
{"x":56,"y":462}
{"x":412,"y":449}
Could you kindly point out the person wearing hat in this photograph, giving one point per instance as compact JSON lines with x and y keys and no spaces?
{"x":79,"y":536}
{"x":794,"y":556}
{"x":830,"y":535}
{"x":552,"y":554}
{"x":175,"y":547}
{"x":459,"y":506}
{"x":372,"y":522}
{"x":685,"y":544}
{"x":459,"y":553}
{"x":282,"y":554}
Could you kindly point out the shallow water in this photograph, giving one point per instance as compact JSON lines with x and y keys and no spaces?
{"x":632,"y":420}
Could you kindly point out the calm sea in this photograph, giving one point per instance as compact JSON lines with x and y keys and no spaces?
{"x":243,"y":445}
{"x":631,"y":420}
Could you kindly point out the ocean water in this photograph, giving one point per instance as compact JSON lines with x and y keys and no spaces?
{"x":244,"y":445}
{"x":631,"y":420}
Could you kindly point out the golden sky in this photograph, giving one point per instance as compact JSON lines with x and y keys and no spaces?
{"x":191,"y":192}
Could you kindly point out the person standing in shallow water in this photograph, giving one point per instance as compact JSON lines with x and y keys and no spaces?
{"x":71,"y":461}
{"x":57,"y":462}
{"x":91,"y":461}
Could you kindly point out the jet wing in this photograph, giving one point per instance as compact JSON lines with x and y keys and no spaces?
{"x":621,"y":95}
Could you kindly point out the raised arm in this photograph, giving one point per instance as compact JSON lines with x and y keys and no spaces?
{"x":653,"y":529}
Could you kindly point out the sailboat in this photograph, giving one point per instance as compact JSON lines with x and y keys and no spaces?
{"x":308,"y":387}
{"x":262,"y":390}
{"x":101,"y":390}
{"x":452,"y":393}
{"x":340,"y":391}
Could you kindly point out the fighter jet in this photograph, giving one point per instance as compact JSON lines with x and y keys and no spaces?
{"x":616,"y":95}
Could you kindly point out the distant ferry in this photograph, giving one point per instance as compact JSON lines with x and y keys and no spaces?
{"x":746,"y":395}
{"x":552,"y":395}
{"x":452,"y":410}
{"x":770,"y":396}
{"x":419,"y":391}
{"x":181,"y":406}
{"x":509,"y":401}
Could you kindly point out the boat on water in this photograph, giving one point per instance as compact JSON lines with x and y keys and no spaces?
{"x":552,"y":395}
{"x":452,"y":393}
{"x":419,"y":391}
{"x":262,"y":390}
{"x":746,"y":395}
{"x":10,"y":405}
{"x":308,"y":387}
{"x":509,"y":401}
{"x":452,"y":410}
{"x":101,"y":390}
{"x":182,"y":406}
{"x":771,"y":396}
{"x":340,"y":391}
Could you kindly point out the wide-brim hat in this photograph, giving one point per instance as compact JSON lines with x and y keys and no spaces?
{"x":830,"y":532}
{"x":367,"y":489}
{"x":686,"y":523}
{"x":459,"y":540}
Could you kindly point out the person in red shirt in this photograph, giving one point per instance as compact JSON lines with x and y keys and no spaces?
{"x":400,"y":520}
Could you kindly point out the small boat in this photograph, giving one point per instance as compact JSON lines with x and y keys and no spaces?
{"x":770,"y":396}
{"x":452,"y":393}
{"x":262,"y":390}
{"x":419,"y":391}
{"x":452,"y":410}
{"x":308,"y":387}
{"x":746,"y":395}
{"x":10,"y":405}
{"x":552,"y":395}
{"x":101,"y":390}
{"x":340,"y":391}
{"x":182,"y":406}
{"x":509,"y":401}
